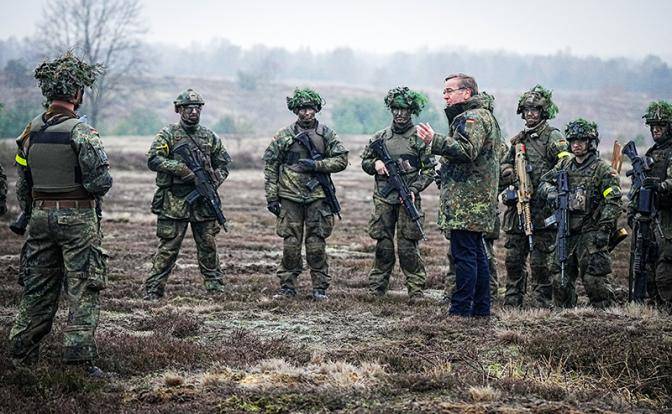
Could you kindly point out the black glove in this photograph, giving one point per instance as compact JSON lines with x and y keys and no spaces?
{"x":651,"y":183}
{"x":552,"y":196}
{"x":306,"y":164}
{"x":274,"y":207}
{"x":601,"y":238}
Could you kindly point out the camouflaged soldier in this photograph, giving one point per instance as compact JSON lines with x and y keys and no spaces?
{"x":469,"y":187}
{"x":594,"y":208}
{"x":62,"y":168}
{"x":659,"y":178}
{"x":389,"y":215}
{"x":175,"y":181}
{"x":300,"y":207}
{"x":545,"y":146}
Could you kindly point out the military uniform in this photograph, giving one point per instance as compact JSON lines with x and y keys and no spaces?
{"x":545,"y":147}
{"x":659,"y":263}
{"x":389,"y":215}
{"x":174,"y":213}
{"x":3,"y":191}
{"x":594,"y":208}
{"x":305,"y":214}
{"x":468,"y":198}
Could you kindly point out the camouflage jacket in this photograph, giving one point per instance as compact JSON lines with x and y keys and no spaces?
{"x":414,"y":158}
{"x":595,"y":193}
{"x":545,"y":147}
{"x":170,"y":197}
{"x":470,"y":167}
{"x":661,"y":154}
{"x":3,"y":188}
{"x":91,"y":156}
{"x":281,"y":181}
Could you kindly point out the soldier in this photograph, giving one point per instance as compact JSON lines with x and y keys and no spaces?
{"x":294,"y":199}
{"x":175,"y":181}
{"x":659,"y":178}
{"x":62,"y":168}
{"x":545,"y":145}
{"x":469,"y":182}
{"x":417,"y":166}
{"x":594,"y":208}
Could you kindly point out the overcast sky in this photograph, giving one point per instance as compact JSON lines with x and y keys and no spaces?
{"x":583,"y":27}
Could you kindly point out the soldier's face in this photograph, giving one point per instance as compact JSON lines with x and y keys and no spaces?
{"x":658,"y":131}
{"x":306,"y":115}
{"x":579,"y":147}
{"x":532,"y":116}
{"x":190,"y":114}
{"x":454,"y":93}
{"x":401,"y":116}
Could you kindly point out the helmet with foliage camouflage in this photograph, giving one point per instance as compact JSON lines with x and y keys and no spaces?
{"x":188,"y":97}
{"x":538,"y":97}
{"x":402,"y":97}
{"x":583,"y":129}
{"x":63,"y":77}
{"x":305,"y":98}
{"x":658,"y":112}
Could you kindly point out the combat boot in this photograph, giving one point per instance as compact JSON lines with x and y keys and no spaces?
{"x":285,"y":293}
{"x":415,"y":297}
{"x":152,"y":297}
{"x":320,"y":295}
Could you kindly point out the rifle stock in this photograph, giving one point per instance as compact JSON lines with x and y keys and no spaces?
{"x":524,"y":193}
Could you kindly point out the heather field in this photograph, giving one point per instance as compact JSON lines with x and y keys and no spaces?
{"x":242,"y":351}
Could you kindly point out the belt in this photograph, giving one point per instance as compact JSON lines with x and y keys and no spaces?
{"x":64,"y":204}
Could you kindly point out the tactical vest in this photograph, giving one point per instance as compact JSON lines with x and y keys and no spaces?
{"x":51,"y":157}
{"x":584,"y":195}
{"x":400,"y":149}
{"x":297,"y":151}
{"x":537,"y":153}
{"x":661,"y":161}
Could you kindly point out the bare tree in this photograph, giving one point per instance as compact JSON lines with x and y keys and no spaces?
{"x":100,"y":31}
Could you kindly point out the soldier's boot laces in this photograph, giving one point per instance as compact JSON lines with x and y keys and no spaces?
{"x":285,"y":293}
{"x":320,"y":295}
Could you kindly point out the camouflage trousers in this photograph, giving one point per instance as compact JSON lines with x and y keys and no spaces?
{"x":318,"y":221}
{"x":541,"y":261}
{"x":62,"y":250}
{"x":171,"y":233}
{"x":449,"y":279}
{"x":659,"y":270}
{"x":590,"y":263}
{"x":387,"y":218}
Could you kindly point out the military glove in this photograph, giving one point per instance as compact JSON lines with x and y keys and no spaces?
{"x":274,"y":207}
{"x":601,"y":239}
{"x":551,"y":196}
{"x":651,"y":183}
{"x":306,"y":164}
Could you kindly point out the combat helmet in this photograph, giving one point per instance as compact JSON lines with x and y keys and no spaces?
{"x":402,"y":97}
{"x":188,"y":97}
{"x":305,"y":98}
{"x":63,"y":77}
{"x":581,"y":129}
{"x":658,"y":113}
{"x":538,"y":97}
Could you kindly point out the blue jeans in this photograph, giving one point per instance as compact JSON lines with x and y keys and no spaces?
{"x":471,"y":296}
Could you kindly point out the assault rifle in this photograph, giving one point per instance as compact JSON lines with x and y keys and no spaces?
{"x":319,"y":178}
{"x":645,"y":216}
{"x":523,"y":170}
{"x":560,"y":218}
{"x":395,"y":182}
{"x":205,"y":185}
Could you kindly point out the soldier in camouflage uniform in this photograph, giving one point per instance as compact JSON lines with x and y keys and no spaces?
{"x":388,"y":215}
{"x":62,"y":168}
{"x":545,"y":146}
{"x":469,"y":184}
{"x":594,"y":208}
{"x":3,"y":191}
{"x":175,"y":181}
{"x":300,"y":207}
{"x":659,"y":178}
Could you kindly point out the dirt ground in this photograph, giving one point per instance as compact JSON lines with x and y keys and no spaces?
{"x":241,"y":351}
